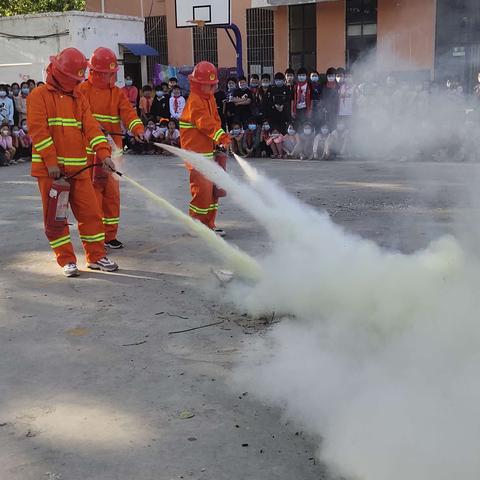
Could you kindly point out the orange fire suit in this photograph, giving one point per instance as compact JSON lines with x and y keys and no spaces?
{"x":110,"y":107}
{"x":60,"y":126}
{"x":200,"y":129}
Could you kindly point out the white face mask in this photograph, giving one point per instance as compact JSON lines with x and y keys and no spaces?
{"x":15,"y":133}
{"x":128,"y":83}
{"x":302,"y":78}
{"x":5,"y":133}
{"x":291,"y":131}
{"x":3,"y":93}
{"x":265,"y":84}
{"x":314,"y":78}
{"x":159,"y":93}
{"x":252,"y":127}
{"x":307,"y":131}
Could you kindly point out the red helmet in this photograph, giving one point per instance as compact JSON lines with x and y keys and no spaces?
{"x":103,"y":60}
{"x":71,"y":63}
{"x":204,"y":73}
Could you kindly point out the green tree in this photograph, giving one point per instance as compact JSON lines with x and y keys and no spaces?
{"x":22,"y":7}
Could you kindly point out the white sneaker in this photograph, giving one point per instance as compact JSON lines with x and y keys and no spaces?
{"x":104,"y":264}
{"x":71,"y":270}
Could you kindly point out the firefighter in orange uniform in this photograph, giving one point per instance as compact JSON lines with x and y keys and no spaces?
{"x":200,"y":130}
{"x":111,"y":108}
{"x":61,"y":124}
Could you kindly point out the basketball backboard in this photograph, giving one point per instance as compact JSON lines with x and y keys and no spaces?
{"x":207,"y":12}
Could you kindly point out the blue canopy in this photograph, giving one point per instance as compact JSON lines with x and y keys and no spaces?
{"x":141,"y":49}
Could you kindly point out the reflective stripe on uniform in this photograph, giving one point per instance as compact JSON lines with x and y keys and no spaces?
{"x":72,"y":161}
{"x":99,"y":237}
{"x":186,"y":125}
{"x":111,"y":221}
{"x":97,"y":140}
{"x":218,"y":134}
{"x":203,"y":211}
{"x":134,"y":123}
{"x":208,"y":155}
{"x":59,"y":242}
{"x":43,"y":144}
{"x":64,"y":122}
{"x":90,"y":151}
{"x":106,"y":118}
{"x":36,"y":158}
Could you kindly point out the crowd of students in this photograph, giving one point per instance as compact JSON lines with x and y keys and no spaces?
{"x":15,"y":142}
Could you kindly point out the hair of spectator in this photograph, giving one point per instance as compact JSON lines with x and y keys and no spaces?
{"x":242,"y":78}
{"x":254,"y":76}
{"x":279,"y":76}
{"x":289,"y":71}
{"x":147,"y":88}
{"x":302,"y":71}
{"x":266,"y":76}
{"x":232,"y":79}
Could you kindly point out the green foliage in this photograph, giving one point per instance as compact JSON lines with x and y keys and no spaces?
{"x":22,"y":7}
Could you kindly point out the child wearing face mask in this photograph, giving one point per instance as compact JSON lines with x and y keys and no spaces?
{"x":15,"y":91}
{"x":302,"y":98}
{"x":251,"y":139}
{"x":25,"y":141}
{"x":345,"y":95}
{"x":17,"y":145}
{"x":161,"y":103}
{"x":177,"y":103}
{"x":275,"y":142}
{"x":290,"y":142}
{"x":6,"y":143}
{"x":330,"y":99}
{"x":265,"y":134}
{"x":254,"y":83}
{"x":320,"y":143}
{"x":229,"y":104}
{"x":131,"y":91}
{"x":6,"y":106}
{"x":21,"y":102}
{"x":236,"y":136}
{"x":307,"y":137}
{"x":337,"y":142}
{"x":280,"y":101}
{"x":262,"y":97}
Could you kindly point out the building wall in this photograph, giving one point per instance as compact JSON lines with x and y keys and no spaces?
{"x":86,"y":32}
{"x":281,"y":42}
{"x":136,"y":8}
{"x":406,"y":34}
{"x":330,"y":35}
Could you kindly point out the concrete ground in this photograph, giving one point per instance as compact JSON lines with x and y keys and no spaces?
{"x":92,"y":384}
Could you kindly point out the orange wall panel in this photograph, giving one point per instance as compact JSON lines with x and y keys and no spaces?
{"x":330,"y":35}
{"x":280,"y":42}
{"x":406,"y":34}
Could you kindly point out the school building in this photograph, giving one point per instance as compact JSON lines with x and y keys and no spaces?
{"x":424,"y":38}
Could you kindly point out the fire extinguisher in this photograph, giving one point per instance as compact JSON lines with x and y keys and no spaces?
{"x":221,"y":160}
{"x":57,"y":207}
{"x":100,"y":176}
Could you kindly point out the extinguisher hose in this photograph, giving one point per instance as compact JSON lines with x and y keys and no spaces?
{"x":120,"y":174}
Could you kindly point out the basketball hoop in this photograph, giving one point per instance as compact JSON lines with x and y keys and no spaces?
{"x":199,"y":23}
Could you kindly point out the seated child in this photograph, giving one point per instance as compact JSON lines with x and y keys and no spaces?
{"x":306,"y":142}
{"x":291,"y":142}
{"x":236,"y":135}
{"x":337,"y":142}
{"x":275,"y":142}
{"x":6,"y":143}
{"x":251,"y":139}
{"x":320,"y":143}
{"x":25,"y":141}
{"x":172,"y":135}
{"x":265,"y":149}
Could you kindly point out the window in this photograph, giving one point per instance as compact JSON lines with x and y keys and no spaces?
{"x":260,"y":40}
{"x":361,"y":16}
{"x":156,"y":37}
{"x":205,"y":45}
{"x":303,"y":36}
